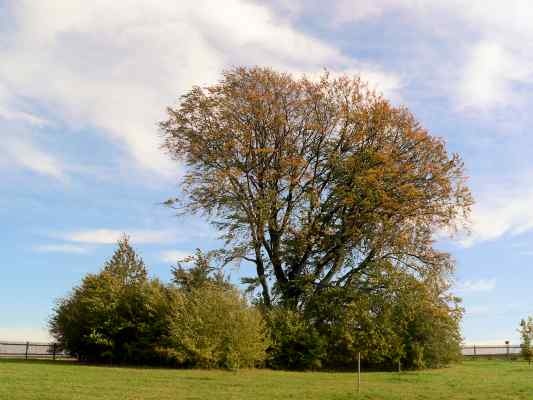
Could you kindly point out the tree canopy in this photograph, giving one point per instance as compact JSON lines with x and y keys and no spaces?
{"x":120,"y":315}
{"x":116,"y":315}
{"x":314,"y":181}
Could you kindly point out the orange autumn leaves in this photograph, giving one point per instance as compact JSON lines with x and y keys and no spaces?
{"x":314,"y":181}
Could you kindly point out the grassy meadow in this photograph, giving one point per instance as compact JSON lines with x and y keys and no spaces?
{"x":471,"y":380}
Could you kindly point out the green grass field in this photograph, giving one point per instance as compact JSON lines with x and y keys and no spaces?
{"x":472,"y":380}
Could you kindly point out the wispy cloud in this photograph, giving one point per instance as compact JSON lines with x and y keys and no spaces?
{"x":500,"y":211}
{"x":480,"y":285}
{"x":492,"y":42}
{"x":22,"y":116}
{"x":111,"y":236}
{"x":27,"y":155}
{"x":61,"y":248}
{"x":171,"y":256}
{"x":117,"y":68}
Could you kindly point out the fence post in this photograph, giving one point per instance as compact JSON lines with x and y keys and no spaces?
{"x":358,"y":372}
{"x":27,"y":348}
{"x":54,"y":352}
{"x":474,"y":352}
{"x":507,"y":345}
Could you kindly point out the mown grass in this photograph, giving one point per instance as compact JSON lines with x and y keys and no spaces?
{"x":471,"y":380}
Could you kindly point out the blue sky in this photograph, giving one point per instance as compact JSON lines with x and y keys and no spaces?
{"x":83,"y":85}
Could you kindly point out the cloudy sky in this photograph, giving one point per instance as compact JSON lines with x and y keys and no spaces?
{"x":83,"y":85}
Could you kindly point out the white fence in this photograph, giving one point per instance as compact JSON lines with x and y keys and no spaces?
{"x":497,"y":351}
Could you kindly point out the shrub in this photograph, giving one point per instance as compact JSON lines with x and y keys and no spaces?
{"x":117,"y":315}
{"x":296,"y":344}
{"x":397,"y":318}
{"x":526,"y":333}
{"x":214,"y":327}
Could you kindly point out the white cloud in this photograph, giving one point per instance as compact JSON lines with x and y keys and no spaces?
{"x":484,"y":79}
{"x":61,"y":248}
{"x":491,"y":43}
{"x":111,"y":236}
{"x":489,"y":74}
{"x":512,"y":16}
{"x":27,"y":155}
{"x":116,"y":66}
{"x":388,"y":84}
{"x":503,"y":211}
{"x":479,"y":285}
{"x":478,"y":311}
{"x":500,"y":57}
{"x":172,"y":256}
{"x":23,"y":116}
{"x":349,"y":10}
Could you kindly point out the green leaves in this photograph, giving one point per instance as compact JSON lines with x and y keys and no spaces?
{"x":214,"y":327}
{"x":201,"y":273}
{"x":117,"y":315}
{"x":526,"y":333}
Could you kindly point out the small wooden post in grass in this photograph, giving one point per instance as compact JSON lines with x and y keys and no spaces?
{"x":27,"y":348}
{"x":399,"y":366}
{"x":54,"y":352}
{"x":358,"y":373}
{"x":507,"y":350}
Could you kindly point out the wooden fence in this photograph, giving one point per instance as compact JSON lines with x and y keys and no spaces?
{"x":506,"y":350}
{"x":32,"y":350}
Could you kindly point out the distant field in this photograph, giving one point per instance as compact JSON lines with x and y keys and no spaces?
{"x":472,"y":380}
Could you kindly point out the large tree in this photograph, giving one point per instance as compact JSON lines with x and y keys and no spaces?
{"x":314,"y":181}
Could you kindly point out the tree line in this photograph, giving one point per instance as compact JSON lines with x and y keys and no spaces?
{"x":335,"y":197}
{"x":200,"y":319}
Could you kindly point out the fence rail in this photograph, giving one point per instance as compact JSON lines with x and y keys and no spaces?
{"x":32,"y":350}
{"x":480,"y":351}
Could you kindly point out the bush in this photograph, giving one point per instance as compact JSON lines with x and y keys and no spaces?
{"x":117,"y":315}
{"x":214,"y":327}
{"x":526,"y":333}
{"x":398,"y":318}
{"x":296,"y":344}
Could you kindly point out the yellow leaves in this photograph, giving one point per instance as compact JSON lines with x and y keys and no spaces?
{"x":292,"y":161}
{"x":264,"y":150}
{"x":417,"y":135}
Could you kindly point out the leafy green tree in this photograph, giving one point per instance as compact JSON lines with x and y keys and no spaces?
{"x":394,"y":318}
{"x":214,"y":327}
{"x":296,"y":343}
{"x":526,"y":333}
{"x":117,"y":315}
{"x":126,"y":266}
{"x":313,"y":181}
{"x":200,"y":273}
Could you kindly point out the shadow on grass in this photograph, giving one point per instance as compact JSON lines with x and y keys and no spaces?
{"x":15,"y":360}
{"x":76,"y":363}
